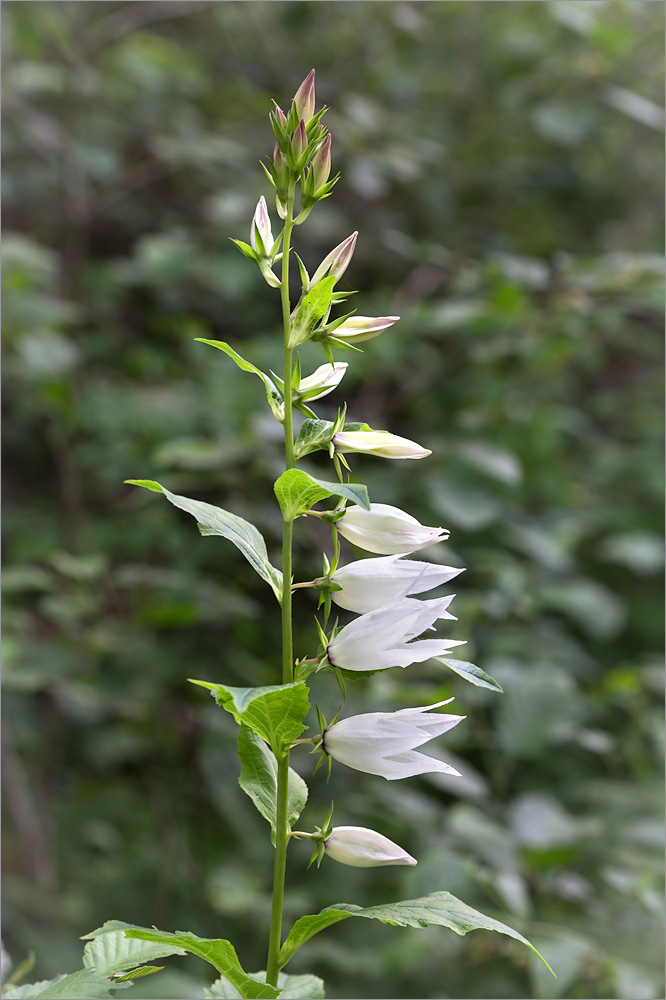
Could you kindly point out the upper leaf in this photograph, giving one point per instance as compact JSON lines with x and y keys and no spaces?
{"x":273,"y":396}
{"x":110,"y":951}
{"x":82,"y":985}
{"x":216,"y":521}
{"x":277,"y":713}
{"x":218,"y":952}
{"x":313,"y":435}
{"x":258,"y":779}
{"x":470,"y":672}
{"x":312,"y":308}
{"x":297,"y":492}
{"x":438,"y":908}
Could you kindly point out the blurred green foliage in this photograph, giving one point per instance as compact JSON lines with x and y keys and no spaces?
{"x":503,"y":165}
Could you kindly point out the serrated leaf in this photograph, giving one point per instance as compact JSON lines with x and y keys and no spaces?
{"x":304,"y":987}
{"x":313,"y":435}
{"x":438,"y":908}
{"x":356,"y":492}
{"x":111,"y":951}
{"x":297,"y":492}
{"x":470,"y":672}
{"x":311,"y":309}
{"x":82,"y":985}
{"x":273,"y":396}
{"x":216,"y":521}
{"x":218,"y":952}
{"x":258,"y":779}
{"x":276,"y":714}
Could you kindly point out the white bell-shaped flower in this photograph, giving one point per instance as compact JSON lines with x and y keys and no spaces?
{"x":383,"y":638}
{"x":383,"y":742}
{"x":387,"y":530}
{"x":322,"y":381}
{"x":360,"y":847}
{"x":369,"y":584}
{"x":379,"y":443}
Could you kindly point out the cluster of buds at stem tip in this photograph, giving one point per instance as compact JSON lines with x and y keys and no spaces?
{"x":386,"y":530}
{"x":385,"y":637}
{"x":384,"y":743}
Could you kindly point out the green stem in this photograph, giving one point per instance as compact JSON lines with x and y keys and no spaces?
{"x":282,"y":826}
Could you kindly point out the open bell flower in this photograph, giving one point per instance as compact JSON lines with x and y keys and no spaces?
{"x":383,"y":638}
{"x":356,"y":329}
{"x":360,"y":847}
{"x":322,"y":381}
{"x":369,"y":584}
{"x":379,"y":443}
{"x":383,"y":742}
{"x":387,"y":530}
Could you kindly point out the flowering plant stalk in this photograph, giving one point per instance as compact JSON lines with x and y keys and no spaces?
{"x":380,"y":590}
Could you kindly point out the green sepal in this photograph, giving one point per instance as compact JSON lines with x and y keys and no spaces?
{"x":246,"y":250}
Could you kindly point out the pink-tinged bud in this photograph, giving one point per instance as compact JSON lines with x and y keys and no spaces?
{"x":321,"y":164}
{"x":337,"y":261}
{"x":304,"y":98}
{"x":261,"y":227}
{"x":299,"y":141}
{"x":360,"y":328}
{"x":281,"y":118}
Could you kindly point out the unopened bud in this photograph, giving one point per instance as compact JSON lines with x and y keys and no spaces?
{"x":304,"y":98}
{"x":359,"y":328}
{"x":360,"y":847}
{"x":379,"y":443}
{"x":299,"y":142}
{"x":261,"y":236}
{"x":337,"y":261}
{"x":321,"y":164}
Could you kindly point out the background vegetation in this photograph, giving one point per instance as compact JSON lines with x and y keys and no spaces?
{"x":502,"y":162}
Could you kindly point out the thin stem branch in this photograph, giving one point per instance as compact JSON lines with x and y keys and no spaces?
{"x":282,"y":831}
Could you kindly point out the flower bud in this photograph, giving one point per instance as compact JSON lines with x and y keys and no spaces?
{"x":321,"y":165}
{"x":322,"y":381}
{"x":384,"y":638}
{"x":281,"y":118}
{"x":304,"y":98}
{"x":337,"y":261}
{"x":383,"y":742}
{"x":299,"y":145}
{"x":387,"y":530}
{"x":369,"y":584}
{"x":379,"y":443}
{"x":359,"y":328}
{"x":360,"y":847}
{"x":261,"y":236}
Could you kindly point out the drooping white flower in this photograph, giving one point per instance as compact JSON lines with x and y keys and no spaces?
{"x":369,"y":584}
{"x":360,"y":847}
{"x":359,"y":328}
{"x":261,"y":228}
{"x":387,"y":530}
{"x":383,"y":742}
{"x":379,"y":443}
{"x":383,"y":638}
{"x":336,"y":262}
{"x":322,"y":381}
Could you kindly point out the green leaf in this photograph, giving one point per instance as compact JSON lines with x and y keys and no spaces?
{"x":475,"y":675}
{"x":311,"y":309}
{"x":273,"y":396}
{"x":314,"y":435}
{"x":216,"y":521}
{"x":82,"y":985}
{"x":293,"y":988}
{"x":144,"y":970}
{"x":297,"y":492}
{"x":438,"y":908}
{"x":218,"y":952}
{"x":110,"y":951}
{"x":258,"y":779}
{"x":277,"y":713}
